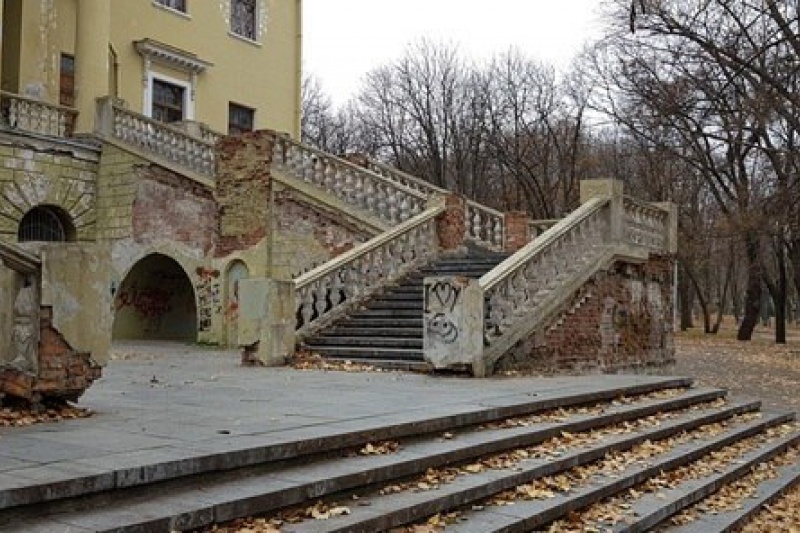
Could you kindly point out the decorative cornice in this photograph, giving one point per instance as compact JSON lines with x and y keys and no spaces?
{"x":171,"y":56}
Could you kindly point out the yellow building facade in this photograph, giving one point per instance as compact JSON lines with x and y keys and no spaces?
{"x":231,"y":64}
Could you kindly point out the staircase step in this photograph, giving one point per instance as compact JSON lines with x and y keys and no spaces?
{"x":349,"y":330}
{"x":324,"y":341}
{"x":726,"y":521}
{"x":386,"y":313}
{"x":218,"y":497}
{"x":390,"y":364}
{"x":366,"y":354}
{"x":380,"y":303}
{"x":367,"y":321}
{"x":527,"y":515}
{"x":653,"y":509}
{"x":383,"y":512}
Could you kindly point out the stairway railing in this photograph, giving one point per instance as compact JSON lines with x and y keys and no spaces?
{"x":520,"y":284}
{"x":152,"y":137}
{"x":387,"y":199}
{"x":485,"y":226}
{"x":332,"y":289}
{"x":521,"y":294}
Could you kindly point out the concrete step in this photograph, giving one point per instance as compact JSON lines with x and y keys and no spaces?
{"x":357,"y":353}
{"x":369,"y":321}
{"x":218,"y":497}
{"x":382,"y":512}
{"x":530,"y":514}
{"x":384,"y":313}
{"x":653,"y":509}
{"x":349,"y":330}
{"x":381,"y":303}
{"x":720,"y":521}
{"x":324,"y":341}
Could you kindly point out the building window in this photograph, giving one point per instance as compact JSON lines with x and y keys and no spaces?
{"x":168,"y":101}
{"x":243,"y":18}
{"x":66,"y":86}
{"x":177,"y":5}
{"x":45,"y":223}
{"x":240,"y":119}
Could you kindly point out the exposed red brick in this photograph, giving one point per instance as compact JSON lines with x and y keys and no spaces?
{"x":451,"y":226}
{"x":606,"y":327}
{"x":517,"y":231}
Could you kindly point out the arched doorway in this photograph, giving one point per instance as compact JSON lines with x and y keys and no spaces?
{"x":236,"y":271}
{"x":46,"y":223}
{"x":155,"y":301}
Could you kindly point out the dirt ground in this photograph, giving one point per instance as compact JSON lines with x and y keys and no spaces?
{"x":757,"y":369}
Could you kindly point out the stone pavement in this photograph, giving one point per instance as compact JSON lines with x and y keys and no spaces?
{"x":162,"y":402}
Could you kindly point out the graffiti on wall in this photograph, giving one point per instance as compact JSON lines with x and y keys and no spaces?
{"x":209,"y":298}
{"x":441,"y":298}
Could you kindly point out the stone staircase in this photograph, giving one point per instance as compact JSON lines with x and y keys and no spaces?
{"x":388,"y":330}
{"x":630,"y":456}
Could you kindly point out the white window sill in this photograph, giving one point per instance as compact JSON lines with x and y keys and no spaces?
{"x":168,"y":9}
{"x":244,"y":39}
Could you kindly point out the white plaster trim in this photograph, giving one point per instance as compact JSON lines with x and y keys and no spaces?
{"x":184,"y":14}
{"x":188,"y":95}
{"x":171,"y":56}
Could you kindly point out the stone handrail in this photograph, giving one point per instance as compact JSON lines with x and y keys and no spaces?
{"x":485,"y":226}
{"x":645,"y":224}
{"x":34,"y":116}
{"x":331,"y":289}
{"x":200,"y":130}
{"x":518,"y":285}
{"x":153,"y":137}
{"x":390,"y":201}
{"x":412,"y":182}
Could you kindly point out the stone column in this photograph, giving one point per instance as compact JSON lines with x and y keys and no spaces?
{"x":614,"y":190}
{"x":266,"y":321}
{"x":92,"y":37}
{"x":451,"y":226}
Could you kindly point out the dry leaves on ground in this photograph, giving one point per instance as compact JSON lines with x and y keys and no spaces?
{"x":18,"y":416}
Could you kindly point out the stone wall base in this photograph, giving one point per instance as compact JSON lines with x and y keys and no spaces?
{"x":619,"y":321}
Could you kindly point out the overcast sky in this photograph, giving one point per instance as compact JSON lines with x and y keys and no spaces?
{"x":344,"y":39}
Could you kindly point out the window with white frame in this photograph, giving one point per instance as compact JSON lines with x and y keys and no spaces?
{"x":177,"y":5}
{"x":169,"y":101}
{"x":243,"y":18}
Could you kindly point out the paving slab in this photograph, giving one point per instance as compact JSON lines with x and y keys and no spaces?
{"x":160,"y":403}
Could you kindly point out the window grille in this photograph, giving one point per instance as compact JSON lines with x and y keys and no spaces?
{"x":177,"y":5}
{"x":243,"y":18}
{"x":240,"y":119}
{"x":42,"y":224}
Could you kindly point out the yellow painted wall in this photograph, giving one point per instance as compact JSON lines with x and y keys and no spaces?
{"x":264,"y":75}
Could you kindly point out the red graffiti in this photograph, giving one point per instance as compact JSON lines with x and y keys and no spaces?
{"x":151,"y":302}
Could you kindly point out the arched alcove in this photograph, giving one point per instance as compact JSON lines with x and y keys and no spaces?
{"x":156,"y":301}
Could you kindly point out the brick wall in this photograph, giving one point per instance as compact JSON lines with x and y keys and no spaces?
{"x":620,"y":320}
{"x":243,"y":190}
{"x":171,"y":207}
{"x":38,"y":172}
{"x":63,"y":372}
{"x":117,"y":178}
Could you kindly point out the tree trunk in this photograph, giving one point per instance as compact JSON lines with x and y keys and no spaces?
{"x":685,"y":301}
{"x":752,"y":297}
{"x":702,"y":301}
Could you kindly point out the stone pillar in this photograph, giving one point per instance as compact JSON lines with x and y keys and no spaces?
{"x":266,"y":321}
{"x":92,"y":37}
{"x":451,"y":226}
{"x":518,"y":231}
{"x":613,"y":189}
{"x":453,"y":324}
{"x":672,"y":226}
